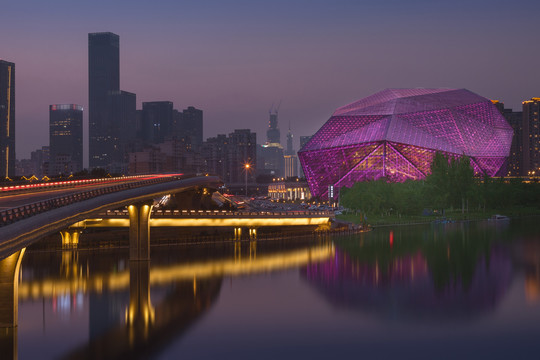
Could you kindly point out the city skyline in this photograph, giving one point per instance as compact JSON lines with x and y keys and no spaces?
{"x":234,"y":61}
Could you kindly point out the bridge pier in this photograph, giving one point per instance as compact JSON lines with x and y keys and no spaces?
{"x":139,"y":230}
{"x":70,"y":238}
{"x":9,"y":303}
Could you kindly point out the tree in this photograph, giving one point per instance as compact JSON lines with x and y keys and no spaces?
{"x":437,"y":183}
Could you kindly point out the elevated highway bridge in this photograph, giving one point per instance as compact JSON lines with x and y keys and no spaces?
{"x":27,"y":214}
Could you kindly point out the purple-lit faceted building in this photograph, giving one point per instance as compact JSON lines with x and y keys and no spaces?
{"x":395,"y":134}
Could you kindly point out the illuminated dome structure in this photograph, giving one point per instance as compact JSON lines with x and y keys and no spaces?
{"x":395,"y":134}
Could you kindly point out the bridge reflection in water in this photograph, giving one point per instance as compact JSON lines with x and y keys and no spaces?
{"x":187,"y":289}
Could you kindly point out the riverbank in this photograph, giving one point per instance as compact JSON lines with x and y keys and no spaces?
{"x":377,"y":220}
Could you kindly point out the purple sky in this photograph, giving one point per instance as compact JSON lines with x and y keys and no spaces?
{"x":233,"y":59}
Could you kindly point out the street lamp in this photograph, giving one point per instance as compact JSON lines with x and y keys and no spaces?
{"x":246,"y":167}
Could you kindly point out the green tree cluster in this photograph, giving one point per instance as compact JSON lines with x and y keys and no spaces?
{"x":451,"y":182}
{"x":451,"y":185}
{"x":381,"y":196}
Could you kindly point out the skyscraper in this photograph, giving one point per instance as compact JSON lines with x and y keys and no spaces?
{"x":242,"y":151}
{"x":191,"y":127}
{"x":7,"y":119}
{"x":271,"y":159}
{"x":303,"y":141}
{"x":157,"y":121}
{"x":215,"y":150}
{"x":291,"y":160}
{"x":103,"y":80}
{"x":65,"y":139}
{"x":123,"y":129}
{"x":273,"y":134}
{"x":515,"y":119}
{"x":531,"y":137}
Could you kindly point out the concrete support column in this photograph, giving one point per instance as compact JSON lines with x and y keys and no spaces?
{"x":70,"y":238}
{"x":139,"y":230}
{"x":9,"y":301}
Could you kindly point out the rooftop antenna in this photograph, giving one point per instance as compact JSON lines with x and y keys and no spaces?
{"x":277,"y":109}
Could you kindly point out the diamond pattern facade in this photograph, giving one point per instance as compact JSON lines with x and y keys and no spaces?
{"x":395,"y":134}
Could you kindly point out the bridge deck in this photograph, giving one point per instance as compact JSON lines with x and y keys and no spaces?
{"x":210,"y":218}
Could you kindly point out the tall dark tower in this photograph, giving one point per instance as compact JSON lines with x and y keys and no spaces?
{"x":531,"y":137}
{"x":7,"y":119}
{"x":291,"y":161}
{"x":272,"y":134}
{"x":65,"y":139}
{"x":515,"y":119}
{"x":290,"y":150}
{"x":192,"y":127}
{"x":157,"y":121}
{"x":103,"y":81}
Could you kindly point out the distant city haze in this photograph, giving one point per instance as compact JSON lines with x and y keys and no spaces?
{"x":235,"y":59}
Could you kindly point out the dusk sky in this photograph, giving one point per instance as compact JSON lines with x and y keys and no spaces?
{"x":233,"y":59}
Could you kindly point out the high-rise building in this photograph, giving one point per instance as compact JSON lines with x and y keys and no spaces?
{"x":40,"y":159}
{"x":214,"y":152}
{"x":122,"y":129}
{"x":531,"y":137}
{"x":191,"y":127}
{"x":227,"y":156}
{"x":273,"y":134}
{"x":242,"y":151}
{"x":168,"y":156}
{"x":157,"y":121}
{"x":290,"y":158}
{"x":303,"y":141}
{"x":103,"y":81}
{"x":270,"y":160}
{"x":270,"y":155}
{"x":65,"y":139}
{"x":515,"y":119}
{"x":7,"y":119}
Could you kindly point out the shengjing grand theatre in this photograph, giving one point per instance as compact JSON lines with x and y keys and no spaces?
{"x":396,"y":133}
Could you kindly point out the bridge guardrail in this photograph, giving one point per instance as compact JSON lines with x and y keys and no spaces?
{"x":56,"y":184}
{"x":221,"y":213}
{"x":10,"y":216}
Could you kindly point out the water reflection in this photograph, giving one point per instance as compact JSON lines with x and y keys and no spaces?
{"x":455,"y":287}
{"x":134,"y":308}
{"x":457,"y":271}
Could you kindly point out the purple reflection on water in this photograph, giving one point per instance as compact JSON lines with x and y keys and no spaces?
{"x":406,"y":286}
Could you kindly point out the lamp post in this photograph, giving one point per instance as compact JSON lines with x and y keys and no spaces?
{"x":246,"y":167}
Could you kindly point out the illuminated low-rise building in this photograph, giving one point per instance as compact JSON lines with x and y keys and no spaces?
{"x":289,"y":190}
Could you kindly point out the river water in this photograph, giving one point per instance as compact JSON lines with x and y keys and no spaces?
{"x":463,"y":290}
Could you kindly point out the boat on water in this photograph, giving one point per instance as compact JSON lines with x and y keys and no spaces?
{"x":498,"y":217}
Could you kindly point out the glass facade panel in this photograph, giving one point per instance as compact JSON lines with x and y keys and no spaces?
{"x":395,"y":134}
